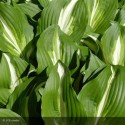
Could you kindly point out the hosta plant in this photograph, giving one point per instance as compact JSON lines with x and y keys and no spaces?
{"x":62,"y":62}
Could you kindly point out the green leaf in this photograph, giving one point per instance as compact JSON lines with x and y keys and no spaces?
{"x":46,"y":55}
{"x":52,"y":46}
{"x":13,"y":34}
{"x":112,"y":44}
{"x":21,"y":67}
{"x":14,"y":98}
{"x":13,"y":69}
{"x":59,"y":99}
{"x":91,"y":44}
{"x":44,"y":3}
{"x":92,"y":66}
{"x":50,"y":97}
{"x":101,"y":13}
{"x":10,"y":74}
{"x":104,"y":96}
{"x":121,"y":18}
{"x":10,"y":118}
{"x":49,"y":15}
{"x":71,"y":17}
{"x":23,"y":100}
{"x":28,"y":8}
{"x":5,"y":77}
{"x":4,"y":95}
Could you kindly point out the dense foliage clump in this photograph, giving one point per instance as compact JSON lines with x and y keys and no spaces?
{"x":62,"y":62}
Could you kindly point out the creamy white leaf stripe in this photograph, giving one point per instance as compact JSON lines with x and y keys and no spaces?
{"x":65,"y":18}
{"x":14,"y":78}
{"x":60,"y":70}
{"x":104,"y":98}
{"x":55,"y":55}
{"x":96,"y":4}
{"x":12,"y":39}
{"x":56,"y":46}
{"x":117,"y":52}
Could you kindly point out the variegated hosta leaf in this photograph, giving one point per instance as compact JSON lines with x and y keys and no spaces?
{"x":15,"y":31}
{"x":113,"y":45}
{"x":10,"y":72}
{"x":59,"y":99}
{"x":9,"y":77}
{"x":101,"y":13}
{"x":104,"y":96}
{"x":49,"y":15}
{"x":20,"y":106}
{"x":53,"y":46}
{"x":23,"y":100}
{"x":71,"y":17}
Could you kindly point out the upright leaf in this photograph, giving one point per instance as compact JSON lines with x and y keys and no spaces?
{"x":71,"y":17}
{"x":10,"y":74}
{"x":104,"y":96}
{"x":59,"y":99}
{"x":13,"y":34}
{"x":101,"y":13}
{"x":53,"y":45}
{"x":113,"y":45}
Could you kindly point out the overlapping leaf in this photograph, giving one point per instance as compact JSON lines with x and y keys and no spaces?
{"x":94,"y":65}
{"x":28,"y":8}
{"x":104,"y":96}
{"x":13,"y":34}
{"x":52,"y":46}
{"x":10,"y":75}
{"x":113,"y":45}
{"x":71,"y":17}
{"x":59,"y":98}
{"x":23,"y":100}
{"x":101,"y":13}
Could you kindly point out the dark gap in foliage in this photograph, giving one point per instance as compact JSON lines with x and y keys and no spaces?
{"x":21,"y":1}
{"x":37,"y":16}
{"x":25,"y":72}
{"x":33,"y":23}
{"x":73,"y":62}
{"x":0,"y":55}
{"x":100,"y":37}
{"x":36,"y":121}
{"x":40,"y":79}
{"x":87,"y":61}
{"x":29,"y":52}
{"x":37,"y":3}
{"x":100,"y":55}
{"x":32,"y":74}
{"x":2,"y":106}
{"x":78,"y":79}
